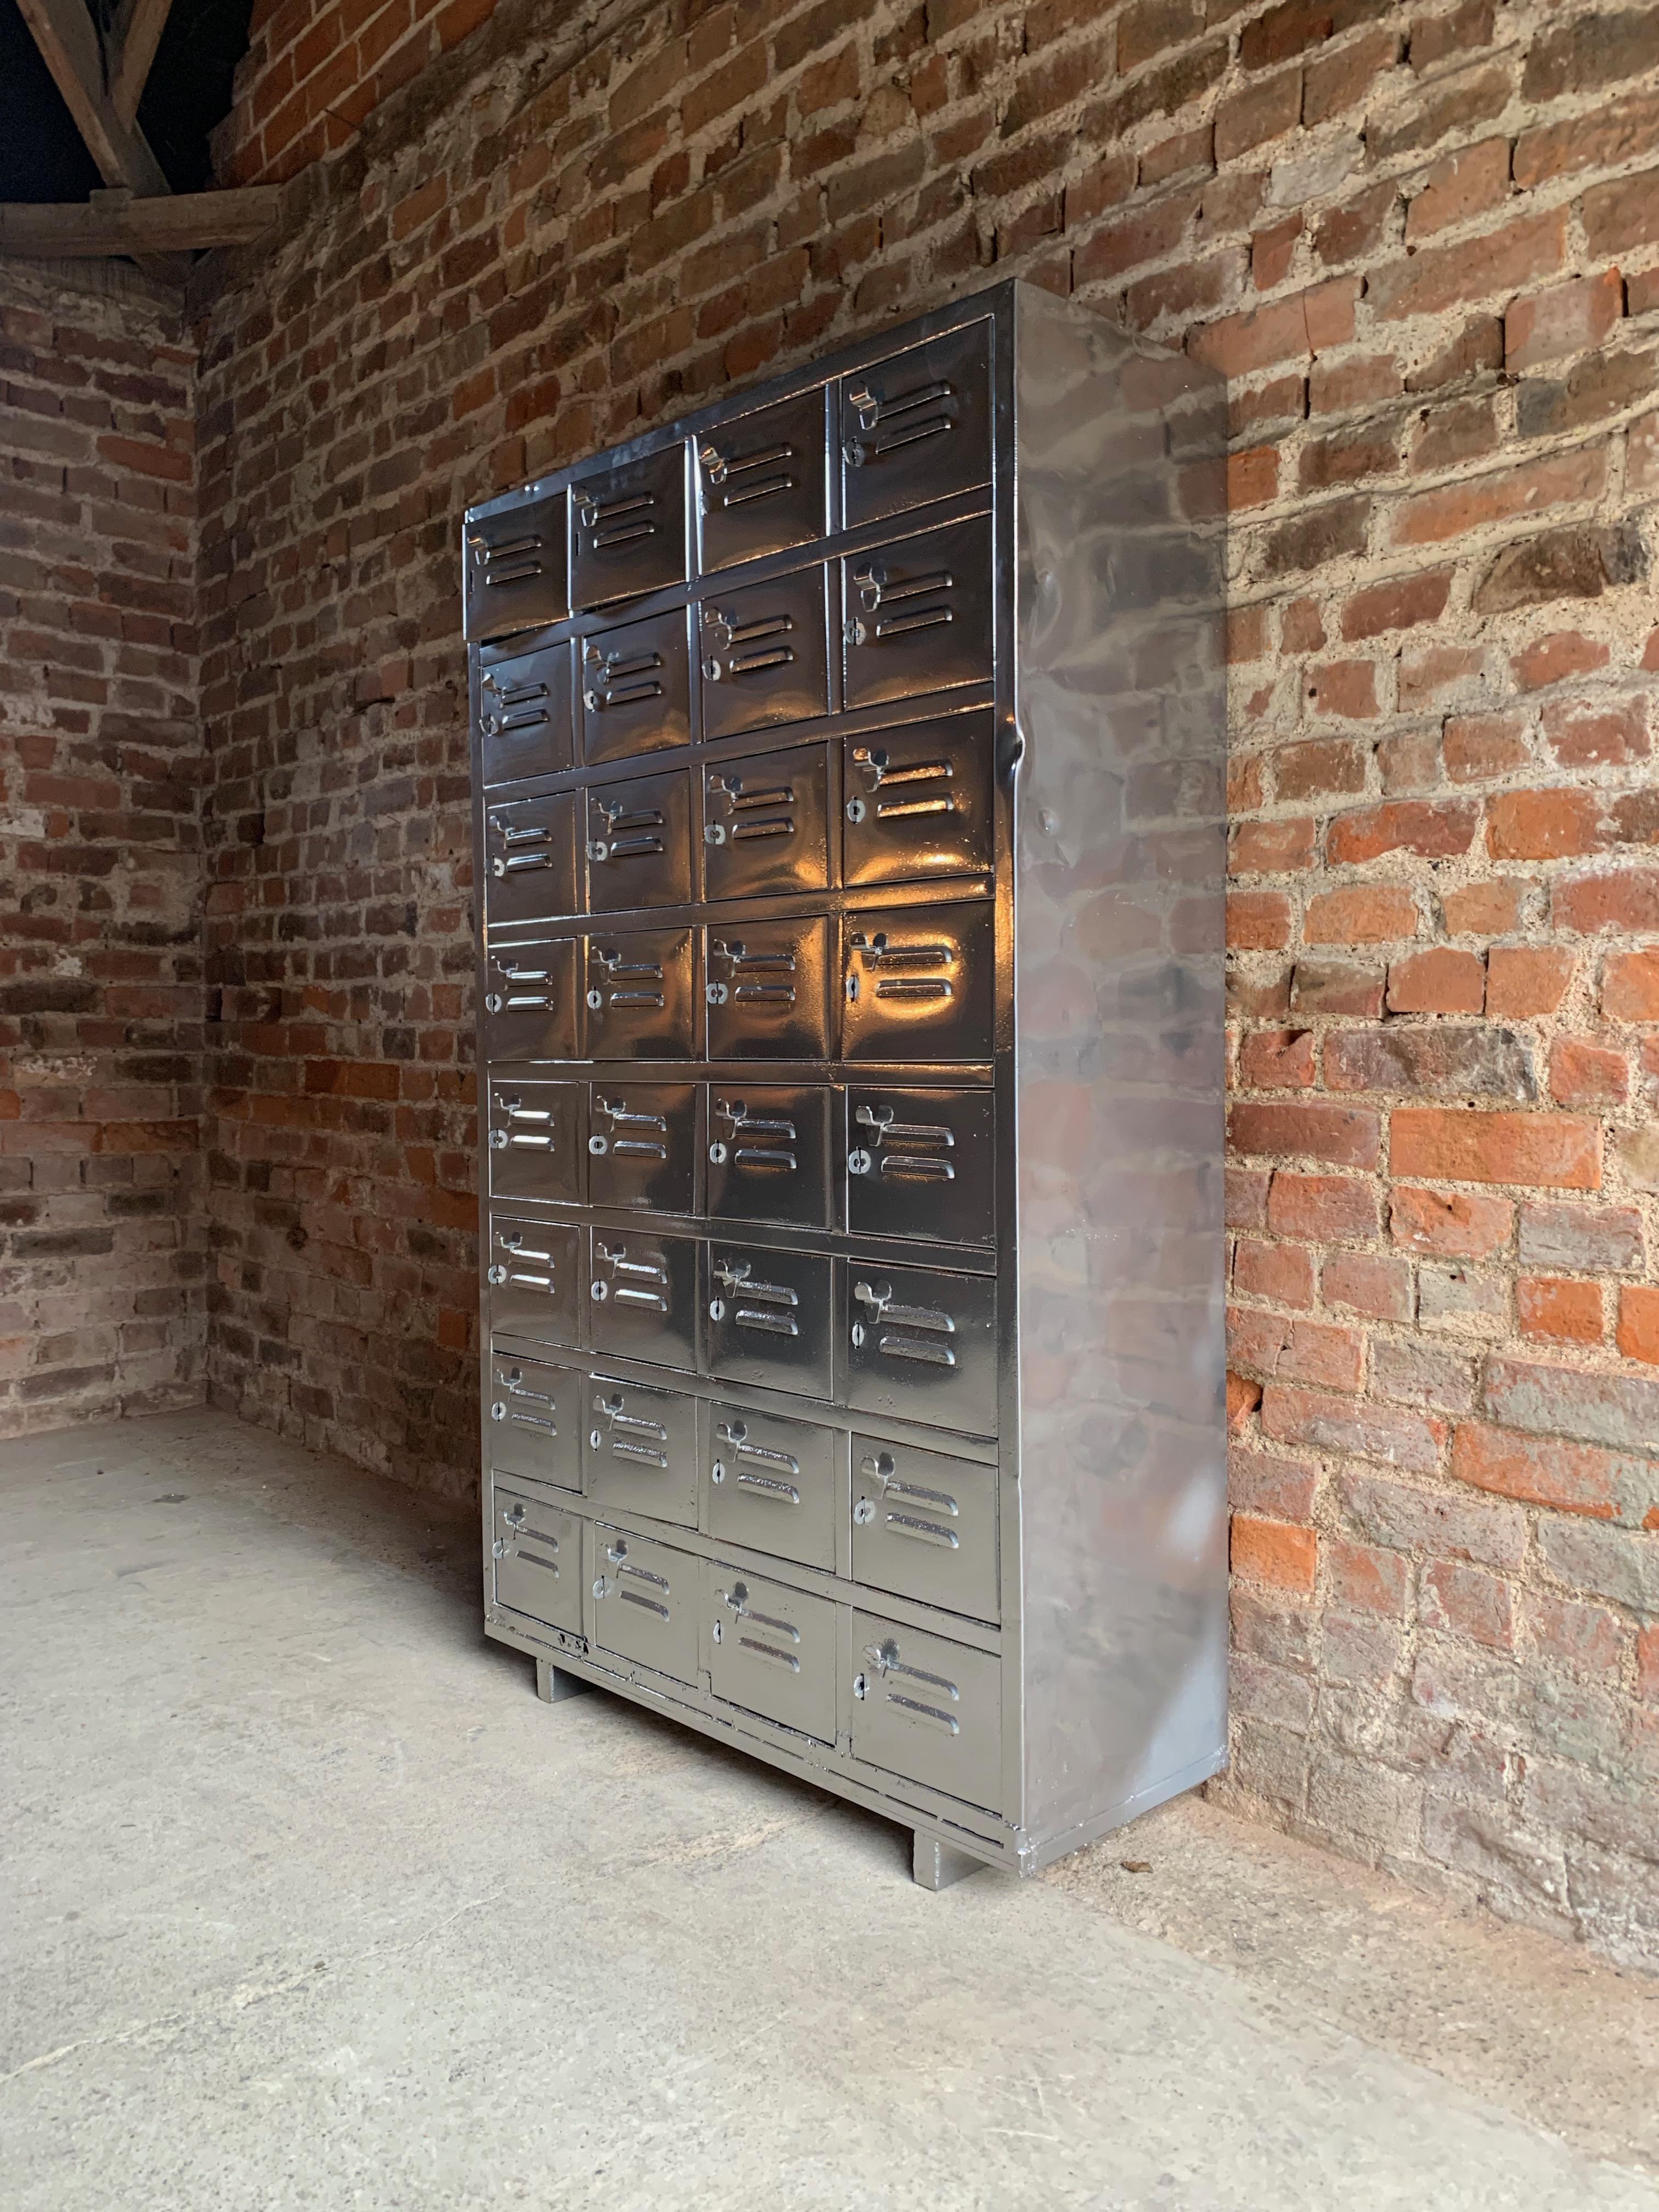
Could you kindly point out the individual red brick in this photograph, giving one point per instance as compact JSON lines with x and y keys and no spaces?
{"x":1273,"y":251}
{"x":1302,"y":627}
{"x":1360,"y":914}
{"x":1524,"y":981}
{"x":1367,"y":1579}
{"x":1146,"y":233}
{"x":1459,"y":187}
{"x":1320,"y":1354}
{"x":1344,"y":1136}
{"x":1286,"y":330}
{"x":1443,"y":980}
{"x":1447,"y":436}
{"x":1270,"y":1485}
{"x":1621,"y":899}
{"x":1243,"y":1396}
{"x":1555,"y":1308}
{"x":1439,"y":38}
{"x":1333,"y":387}
{"x":1583,"y":1074}
{"x":1612,"y":736}
{"x":1395,"y":1435}
{"x":1478,"y":748}
{"x":1433,"y":517}
{"x":1398,"y":605}
{"x":1276,"y":1060}
{"x":1335,"y":82}
{"x":1326,"y":1208}
{"x":1538,"y":1470}
{"x":1647,"y":1661}
{"x":1344,"y":688}
{"x":1638,"y":1322}
{"x":1576,"y":1635}
{"x":1498,"y":262}
{"x":1450,"y":1224}
{"x":1256,"y":1342}
{"x":1283,"y":1272}
{"x":1187,"y":151}
{"x":1467,"y":1602}
{"x":1347,"y":456}
{"x":1555,"y":1152}
{"x":1247,"y":633}
{"x":1545,"y":825}
{"x":1375,"y":1284}
{"x":1325,"y":765}
{"x":1260,"y":111}
{"x":1435,"y":829}
{"x":1275,"y":1552}
{"x":1630,"y":986}
{"x":147,"y":459}
{"x":1425,"y":677}
{"x":1410,"y":762}
{"x":1484,"y":908}
{"x":1258,"y":921}
{"x":1569,"y":318}
{"x":1281,"y":401}
{"x":1247,"y":1197}
{"x":1245,"y":785}
{"x":1620,"y":217}
{"x":1337,"y":987}
{"x":1271,"y":848}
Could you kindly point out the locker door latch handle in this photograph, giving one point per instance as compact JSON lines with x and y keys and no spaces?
{"x":884,"y":1658}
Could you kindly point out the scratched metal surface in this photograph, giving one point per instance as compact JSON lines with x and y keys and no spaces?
{"x":1119,"y":879}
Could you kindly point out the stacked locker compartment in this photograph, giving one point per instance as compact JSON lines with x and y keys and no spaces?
{"x":848,"y":846}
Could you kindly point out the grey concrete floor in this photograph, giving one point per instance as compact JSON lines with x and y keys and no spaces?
{"x":309,"y":1902}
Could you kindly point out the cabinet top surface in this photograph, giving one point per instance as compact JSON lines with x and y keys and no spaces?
{"x":993,"y":304}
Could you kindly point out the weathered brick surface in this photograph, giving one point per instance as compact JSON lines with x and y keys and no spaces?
{"x":101,"y":1242}
{"x":1424,"y":245}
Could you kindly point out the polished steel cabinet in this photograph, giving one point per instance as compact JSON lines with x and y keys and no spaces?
{"x":848,"y":871}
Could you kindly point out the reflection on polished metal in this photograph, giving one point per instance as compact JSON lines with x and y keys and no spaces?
{"x":849,"y":846}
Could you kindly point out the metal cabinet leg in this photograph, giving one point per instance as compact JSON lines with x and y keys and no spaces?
{"x":552,"y":1683}
{"x":935,"y":1865}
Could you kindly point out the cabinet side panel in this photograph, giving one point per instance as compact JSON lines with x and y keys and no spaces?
{"x":1120,"y":876}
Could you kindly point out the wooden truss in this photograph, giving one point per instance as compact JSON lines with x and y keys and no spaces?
{"x":136,"y":214}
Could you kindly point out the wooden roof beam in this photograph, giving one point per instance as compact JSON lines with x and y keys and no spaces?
{"x":63,"y":29}
{"x":136,"y":34}
{"x":115,"y":222}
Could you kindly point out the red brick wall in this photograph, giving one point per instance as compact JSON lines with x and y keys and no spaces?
{"x":316,"y":68}
{"x":100,"y":862}
{"x":1425,"y":243}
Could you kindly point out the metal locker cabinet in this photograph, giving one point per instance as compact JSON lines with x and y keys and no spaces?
{"x":851,"y":1021}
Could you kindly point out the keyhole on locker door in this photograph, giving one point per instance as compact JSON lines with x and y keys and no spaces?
{"x":717,"y":1153}
{"x":856,"y":809}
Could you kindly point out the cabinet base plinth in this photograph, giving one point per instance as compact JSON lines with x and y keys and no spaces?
{"x":552,"y":1683}
{"x":934,"y":1865}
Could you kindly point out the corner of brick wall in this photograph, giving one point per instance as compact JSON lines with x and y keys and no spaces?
{"x":1424,"y":244}
{"x":101,"y":1289}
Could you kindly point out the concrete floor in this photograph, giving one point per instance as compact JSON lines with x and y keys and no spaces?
{"x":310,"y":1902}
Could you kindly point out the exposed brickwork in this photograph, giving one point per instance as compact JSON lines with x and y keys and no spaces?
{"x":101,"y":1256}
{"x":316,"y":68}
{"x":1424,"y":242}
